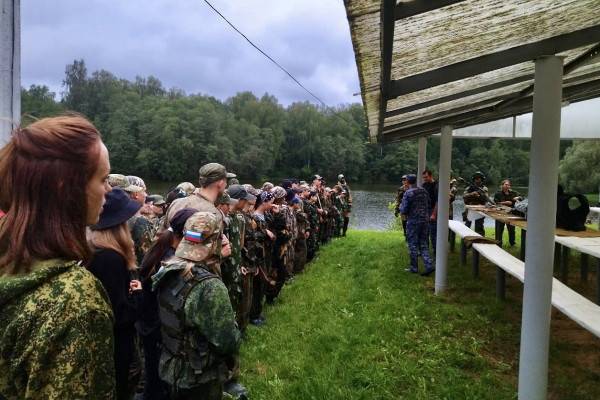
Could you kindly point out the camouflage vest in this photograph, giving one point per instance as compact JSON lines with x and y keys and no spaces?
{"x":179,"y":340}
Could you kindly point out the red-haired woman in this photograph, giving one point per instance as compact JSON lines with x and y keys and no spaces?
{"x":55,"y":320}
{"x":113,"y":262}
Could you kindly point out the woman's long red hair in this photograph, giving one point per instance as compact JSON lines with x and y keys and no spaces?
{"x":44,"y":172}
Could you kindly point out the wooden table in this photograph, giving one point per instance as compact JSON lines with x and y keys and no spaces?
{"x":587,"y":242}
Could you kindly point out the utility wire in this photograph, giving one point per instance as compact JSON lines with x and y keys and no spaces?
{"x":266,"y":55}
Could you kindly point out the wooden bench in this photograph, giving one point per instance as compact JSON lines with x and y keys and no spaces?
{"x":566,"y":300}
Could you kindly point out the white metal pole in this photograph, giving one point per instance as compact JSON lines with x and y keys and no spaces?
{"x":441,"y":250}
{"x":10,"y":68}
{"x":422,"y":160}
{"x":541,"y":220}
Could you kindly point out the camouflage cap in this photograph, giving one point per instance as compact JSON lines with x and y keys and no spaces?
{"x":278,"y":192}
{"x":210,"y":173}
{"x":187,"y":187}
{"x":197,"y":243}
{"x":251,"y":189}
{"x":267,"y":186}
{"x":136,"y":181}
{"x":225,"y":198}
{"x":155,"y":199}
{"x":121,"y":181}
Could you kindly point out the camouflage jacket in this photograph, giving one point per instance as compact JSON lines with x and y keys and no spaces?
{"x":302,"y":223}
{"x":209,"y":318}
{"x":142,"y":233}
{"x":313,"y":216}
{"x":415,"y":205}
{"x":231,"y":272}
{"x":56,"y":327}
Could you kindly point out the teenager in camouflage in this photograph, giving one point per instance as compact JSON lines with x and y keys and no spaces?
{"x":56,"y":323}
{"x":199,"y":331}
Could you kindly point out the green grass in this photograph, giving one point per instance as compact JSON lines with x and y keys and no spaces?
{"x":356,"y":326}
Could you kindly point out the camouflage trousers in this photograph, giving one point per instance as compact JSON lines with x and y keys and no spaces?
{"x":300,"y":254}
{"x":417,"y":236}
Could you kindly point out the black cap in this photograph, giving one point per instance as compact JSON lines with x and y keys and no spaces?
{"x":119,"y":207}
{"x":239,"y":192}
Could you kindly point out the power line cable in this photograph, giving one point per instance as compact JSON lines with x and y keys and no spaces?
{"x":266,"y":55}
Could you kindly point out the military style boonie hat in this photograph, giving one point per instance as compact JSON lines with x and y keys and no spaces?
{"x":187,"y":187}
{"x":121,"y":181}
{"x":224,"y":198}
{"x":198,"y":230}
{"x":210,"y":173}
{"x":136,"y":181}
{"x":119,"y":207}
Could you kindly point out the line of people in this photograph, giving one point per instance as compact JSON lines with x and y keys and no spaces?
{"x":92,"y":269}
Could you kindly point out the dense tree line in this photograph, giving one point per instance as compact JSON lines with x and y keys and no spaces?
{"x":166,"y":134}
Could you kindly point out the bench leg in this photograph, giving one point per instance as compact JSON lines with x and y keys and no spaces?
{"x":585,"y":263}
{"x":452,"y":241}
{"x":557,"y":250}
{"x":475,"y":263}
{"x":523,"y":244}
{"x":500,"y":283}
{"x":564,"y":264}
{"x":463,"y":253}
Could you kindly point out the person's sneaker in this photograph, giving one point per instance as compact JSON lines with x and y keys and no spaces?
{"x":428,"y":272}
{"x":414,"y":271}
{"x":236,"y":390}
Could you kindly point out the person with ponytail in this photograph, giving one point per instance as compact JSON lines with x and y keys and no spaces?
{"x":148,"y":325}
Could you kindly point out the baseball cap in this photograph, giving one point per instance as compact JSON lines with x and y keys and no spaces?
{"x":187,"y":187}
{"x":210,"y":173}
{"x":155,"y":199}
{"x":121,"y":181}
{"x":136,"y":181}
{"x":198,"y":229}
{"x":240,"y":193}
{"x":412,"y":179}
{"x":278,"y":192}
{"x":224,"y":198}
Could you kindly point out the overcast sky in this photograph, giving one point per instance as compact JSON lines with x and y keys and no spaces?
{"x":186,"y":45}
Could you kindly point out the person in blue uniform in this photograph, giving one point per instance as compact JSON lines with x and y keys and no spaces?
{"x":415,"y":206}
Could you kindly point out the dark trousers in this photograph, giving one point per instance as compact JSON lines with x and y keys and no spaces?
{"x":345,"y":228}
{"x":245,"y":306}
{"x":478,"y":225}
{"x":123,"y":353}
{"x":500,"y":232}
{"x":154,"y":388}
{"x":208,"y":391}
{"x":258,"y":293}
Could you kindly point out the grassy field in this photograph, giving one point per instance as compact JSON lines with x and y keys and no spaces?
{"x":356,"y":326}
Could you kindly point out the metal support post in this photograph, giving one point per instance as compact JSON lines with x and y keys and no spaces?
{"x":523,"y":244}
{"x":564,"y":264}
{"x":463,"y":253}
{"x":475,"y":263}
{"x":10,"y":67}
{"x":541,"y":220}
{"x":441,"y":252}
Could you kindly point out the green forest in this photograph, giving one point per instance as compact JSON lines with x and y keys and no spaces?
{"x":166,"y":134}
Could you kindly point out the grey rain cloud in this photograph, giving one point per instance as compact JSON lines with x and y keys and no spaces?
{"x":186,"y":45}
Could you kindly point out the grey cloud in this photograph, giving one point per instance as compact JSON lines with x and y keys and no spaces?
{"x":186,"y":45}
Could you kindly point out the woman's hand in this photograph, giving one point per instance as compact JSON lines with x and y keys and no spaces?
{"x":134,"y":285}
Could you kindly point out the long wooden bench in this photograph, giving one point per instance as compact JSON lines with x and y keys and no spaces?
{"x":566,"y":300}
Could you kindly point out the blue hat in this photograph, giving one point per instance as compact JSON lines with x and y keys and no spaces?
{"x":412,"y":179}
{"x":119,"y":207}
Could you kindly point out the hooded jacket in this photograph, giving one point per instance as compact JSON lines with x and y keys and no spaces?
{"x":56,"y":339}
